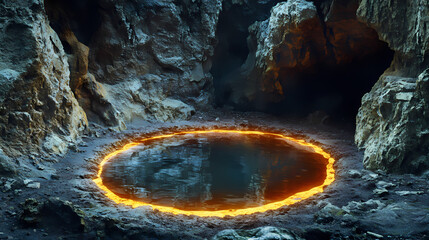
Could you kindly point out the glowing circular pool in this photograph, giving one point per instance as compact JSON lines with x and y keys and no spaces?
{"x":215,"y":172}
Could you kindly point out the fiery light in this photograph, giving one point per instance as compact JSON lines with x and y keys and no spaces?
{"x":330,"y":177}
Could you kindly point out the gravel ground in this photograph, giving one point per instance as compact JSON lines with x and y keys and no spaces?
{"x":359,"y":205}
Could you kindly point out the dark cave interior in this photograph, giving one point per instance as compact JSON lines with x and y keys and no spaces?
{"x":333,"y":87}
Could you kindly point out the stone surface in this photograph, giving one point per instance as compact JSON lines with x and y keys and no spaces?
{"x":394,"y":132}
{"x":288,"y":50}
{"x":7,"y":167}
{"x":35,"y":98}
{"x":262,"y":233}
{"x":146,"y":60}
{"x":391,"y":124}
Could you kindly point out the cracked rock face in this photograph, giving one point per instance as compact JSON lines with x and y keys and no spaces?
{"x":35,"y":100}
{"x":392,"y":123}
{"x":295,"y":52}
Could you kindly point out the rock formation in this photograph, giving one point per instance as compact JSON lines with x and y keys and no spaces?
{"x":122,"y":61}
{"x":312,"y":53}
{"x":36,"y":104}
{"x":392,"y":124}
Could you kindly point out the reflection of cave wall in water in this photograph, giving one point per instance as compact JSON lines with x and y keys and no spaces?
{"x":309,"y":57}
{"x":213,"y":172}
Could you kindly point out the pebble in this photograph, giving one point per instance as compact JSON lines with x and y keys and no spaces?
{"x":35,"y":185}
{"x":406,"y":193}
{"x":354,"y":173}
{"x":381,"y":192}
{"x":386,"y":185}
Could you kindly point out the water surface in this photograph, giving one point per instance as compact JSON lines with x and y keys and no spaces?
{"x":213,"y":171}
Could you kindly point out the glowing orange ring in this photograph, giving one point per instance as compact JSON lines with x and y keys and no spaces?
{"x":330,"y":177}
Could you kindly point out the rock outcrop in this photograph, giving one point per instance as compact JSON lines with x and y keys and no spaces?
{"x":392,"y":123}
{"x":62,"y":62}
{"x":35,"y":100}
{"x":130,"y":60}
{"x":317,"y":48}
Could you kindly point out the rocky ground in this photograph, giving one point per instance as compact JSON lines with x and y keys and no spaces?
{"x":63,"y":202}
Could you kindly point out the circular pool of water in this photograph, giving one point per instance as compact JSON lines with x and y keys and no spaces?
{"x":215,"y":172}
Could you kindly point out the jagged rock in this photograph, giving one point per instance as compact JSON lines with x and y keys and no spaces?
{"x":393,"y":130}
{"x":288,"y":49}
{"x":391,"y":124}
{"x":36,"y":99}
{"x":360,"y":208}
{"x":53,"y":214}
{"x":147,"y":60}
{"x":328,"y":213}
{"x":7,"y":167}
{"x":30,"y":212}
{"x":262,"y":233}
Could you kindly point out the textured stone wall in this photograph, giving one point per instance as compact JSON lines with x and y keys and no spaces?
{"x":392,"y":124}
{"x":37,"y":106}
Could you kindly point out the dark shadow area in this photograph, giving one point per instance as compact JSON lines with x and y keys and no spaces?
{"x":336,"y":90}
{"x":232,"y":49}
{"x":352,"y":60}
{"x":80,"y":16}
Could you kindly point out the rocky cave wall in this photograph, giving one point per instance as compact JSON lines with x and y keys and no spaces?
{"x":63,"y":62}
{"x":315,"y":53}
{"x":109,"y":61}
{"x":393,"y":121}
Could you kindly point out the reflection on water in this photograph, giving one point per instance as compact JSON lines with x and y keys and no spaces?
{"x":213,"y":171}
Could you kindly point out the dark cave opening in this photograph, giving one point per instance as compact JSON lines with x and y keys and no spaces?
{"x":232,"y":48}
{"x":331,"y":88}
{"x":334,"y":89}
{"x":79,"y":16}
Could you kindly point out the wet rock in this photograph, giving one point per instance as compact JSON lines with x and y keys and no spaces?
{"x":262,"y":233}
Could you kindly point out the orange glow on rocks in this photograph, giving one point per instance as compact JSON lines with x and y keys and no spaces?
{"x":330,"y":177}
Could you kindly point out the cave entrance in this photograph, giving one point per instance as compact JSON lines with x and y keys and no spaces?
{"x":349,"y":62}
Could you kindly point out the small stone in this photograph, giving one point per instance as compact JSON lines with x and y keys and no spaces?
{"x":27,"y":181}
{"x":386,"y":185}
{"x":354,"y":173}
{"x":35,"y":185}
{"x":370,"y":176}
{"x":406,"y":193}
{"x":381,"y":192}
